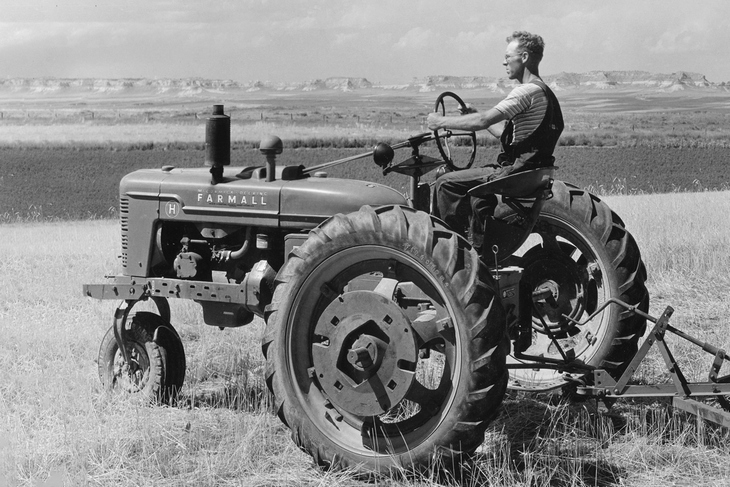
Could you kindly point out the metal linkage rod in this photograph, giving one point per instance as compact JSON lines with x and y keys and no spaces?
{"x":406,"y":143}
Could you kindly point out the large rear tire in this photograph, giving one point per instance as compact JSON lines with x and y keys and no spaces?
{"x":385,"y":343}
{"x":582,"y":251}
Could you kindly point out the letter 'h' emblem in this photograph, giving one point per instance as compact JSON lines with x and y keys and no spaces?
{"x":171,"y":209}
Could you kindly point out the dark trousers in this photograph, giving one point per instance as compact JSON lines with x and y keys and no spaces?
{"x":463,"y":213}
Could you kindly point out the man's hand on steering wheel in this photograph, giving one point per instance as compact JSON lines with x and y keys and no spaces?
{"x":434,"y":120}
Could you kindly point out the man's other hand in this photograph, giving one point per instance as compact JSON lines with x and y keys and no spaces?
{"x":501,"y":172}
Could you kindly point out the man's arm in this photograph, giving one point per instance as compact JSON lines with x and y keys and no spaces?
{"x":470,"y":122}
{"x":497,"y":129}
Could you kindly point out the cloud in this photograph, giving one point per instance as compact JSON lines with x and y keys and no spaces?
{"x":477,"y":41}
{"x":300,"y":23}
{"x":12,"y":35}
{"x":417,"y":38}
{"x":347,"y":38}
{"x":377,"y":38}
{"x":684,"y":38}
{"x":363,"y":16}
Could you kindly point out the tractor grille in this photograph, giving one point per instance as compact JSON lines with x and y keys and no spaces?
{"x":124,"y":220}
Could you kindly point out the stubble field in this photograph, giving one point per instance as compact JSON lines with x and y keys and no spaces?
{"x":59,"y":427}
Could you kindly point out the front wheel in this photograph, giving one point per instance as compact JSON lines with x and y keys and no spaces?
{"x":385,"y":343}
{"x":155,"y":370}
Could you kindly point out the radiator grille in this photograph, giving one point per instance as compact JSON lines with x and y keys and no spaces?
{"x":124,"y":220}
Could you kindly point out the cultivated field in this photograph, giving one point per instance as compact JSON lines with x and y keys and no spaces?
{"x":58,"y":427}
{"x":38,"y":184}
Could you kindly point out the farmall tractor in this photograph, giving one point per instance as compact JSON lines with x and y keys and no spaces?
{"x":389,"y":341}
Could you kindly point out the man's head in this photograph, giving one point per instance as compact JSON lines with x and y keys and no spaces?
{"x":524,"y":50}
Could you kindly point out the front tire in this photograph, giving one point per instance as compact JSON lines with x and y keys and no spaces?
{"x":385,"y":343}
{"x":155,"y":371}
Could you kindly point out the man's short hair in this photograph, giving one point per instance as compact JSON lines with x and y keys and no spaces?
{"x":529,"y":42}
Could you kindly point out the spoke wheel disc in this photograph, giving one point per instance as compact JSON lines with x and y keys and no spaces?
{"x":371,"y":404}
{"x":557,"y":257}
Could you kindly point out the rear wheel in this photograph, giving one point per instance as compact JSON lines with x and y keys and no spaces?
{"x":385,"y":343}
{"x":582,"y":253}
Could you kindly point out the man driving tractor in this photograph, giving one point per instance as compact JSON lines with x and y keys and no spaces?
{"x":528,"y":123}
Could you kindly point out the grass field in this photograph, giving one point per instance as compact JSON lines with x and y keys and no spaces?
{"x":57,"y":427}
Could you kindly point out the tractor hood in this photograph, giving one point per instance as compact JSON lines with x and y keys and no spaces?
{"x":188,"y":195}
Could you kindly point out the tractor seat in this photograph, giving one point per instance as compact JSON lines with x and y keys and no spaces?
{"x":523,"y":184}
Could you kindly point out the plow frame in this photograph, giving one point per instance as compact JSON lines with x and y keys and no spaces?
{"x":684,"y":394}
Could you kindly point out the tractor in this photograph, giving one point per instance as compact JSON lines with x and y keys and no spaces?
{"x":390,"y":342}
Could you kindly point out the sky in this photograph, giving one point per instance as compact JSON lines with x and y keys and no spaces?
{"x":385,"y":41}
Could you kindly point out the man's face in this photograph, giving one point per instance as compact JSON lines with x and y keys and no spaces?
{"x":514,"y":61}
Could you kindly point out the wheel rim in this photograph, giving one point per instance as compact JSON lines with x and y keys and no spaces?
{"x":557,"y":258}
{"x":132,"y":376}
{"x":353,"y":350}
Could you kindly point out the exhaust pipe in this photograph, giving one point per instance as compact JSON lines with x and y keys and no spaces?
{"x":217,"y":143}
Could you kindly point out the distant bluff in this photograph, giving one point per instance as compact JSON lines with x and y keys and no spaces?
{"x":633,"y":79}
{"x":192,"y":87}
{"x":170,"y":86}
{"x":602,"y":80}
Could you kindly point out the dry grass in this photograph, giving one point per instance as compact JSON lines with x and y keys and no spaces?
{"x":58,"y":428}
{"x":685,"y":243}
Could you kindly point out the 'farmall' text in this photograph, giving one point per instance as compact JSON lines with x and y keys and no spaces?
{"x":241,"y":199}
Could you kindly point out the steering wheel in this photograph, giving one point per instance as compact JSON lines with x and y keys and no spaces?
{"x":444,"y":148}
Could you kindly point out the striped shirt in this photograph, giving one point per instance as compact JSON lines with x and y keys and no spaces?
{"x":525,"y":106}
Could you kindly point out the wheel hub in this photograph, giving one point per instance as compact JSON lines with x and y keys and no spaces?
{"x":364,"y":353}
{"x":566,"y":282}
